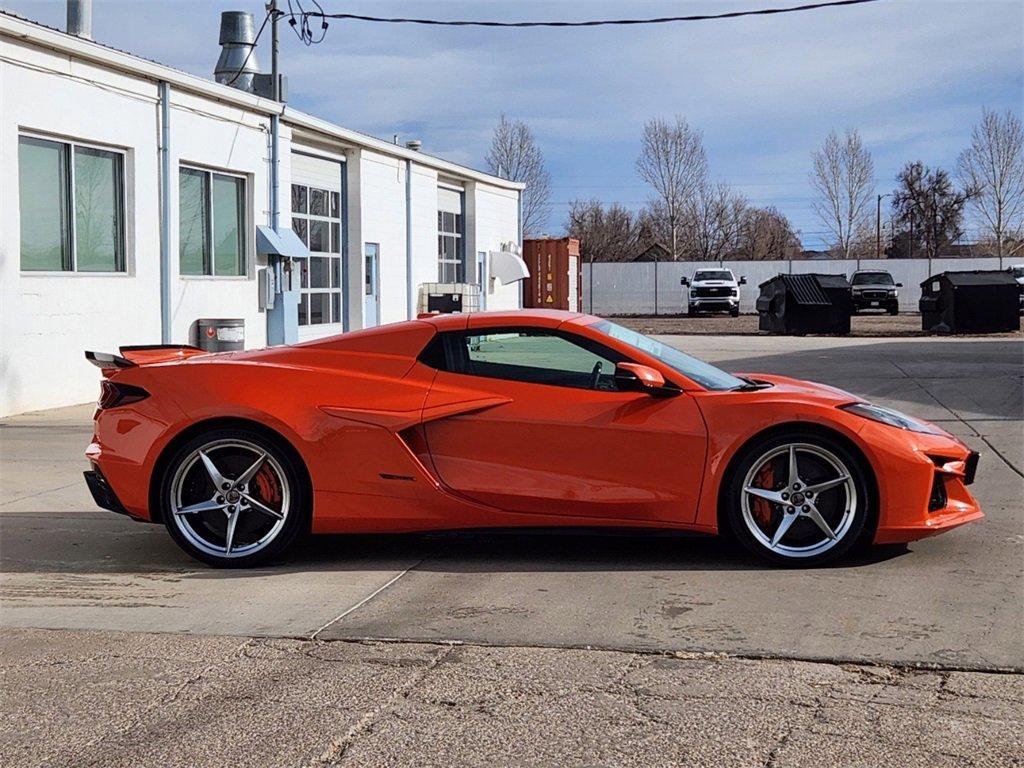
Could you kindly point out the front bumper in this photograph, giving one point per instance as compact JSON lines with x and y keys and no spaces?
{"x":715,"y":302}
{"x":888,"y":302}
{"x":923,"y":491}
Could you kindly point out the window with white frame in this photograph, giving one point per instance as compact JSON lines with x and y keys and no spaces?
{"x":72,"y":205}
{"x":211,"y":223}
{"x":316,"y":219}
{"x":450,"y":256}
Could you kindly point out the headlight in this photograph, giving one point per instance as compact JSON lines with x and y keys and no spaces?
{"x":890,"y":417}
{"x":892,"y":292}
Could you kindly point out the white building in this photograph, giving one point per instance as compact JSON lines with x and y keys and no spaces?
{"x":83,"y":224}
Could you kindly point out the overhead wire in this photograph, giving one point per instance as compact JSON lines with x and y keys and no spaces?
{"x":300,"y":19}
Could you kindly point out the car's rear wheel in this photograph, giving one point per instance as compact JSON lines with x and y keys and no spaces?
{"x":799,"y":498}
{"x":233,"y":498}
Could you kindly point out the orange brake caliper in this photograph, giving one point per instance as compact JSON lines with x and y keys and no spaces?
{"x":762,"y":508}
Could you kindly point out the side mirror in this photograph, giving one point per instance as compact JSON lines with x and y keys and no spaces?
{"x":899,"y":285}
{"x":743,"y":280}
{"x":684,"y":281}
{"x":633,"y":377}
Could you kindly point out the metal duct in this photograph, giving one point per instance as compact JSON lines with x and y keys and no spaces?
{"x":237,"y":65}
{"x":80,"y":18}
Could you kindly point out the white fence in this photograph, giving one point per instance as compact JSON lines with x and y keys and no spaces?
{"x":649,"y":288}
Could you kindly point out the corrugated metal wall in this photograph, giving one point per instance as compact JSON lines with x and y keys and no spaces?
{"x":631,"y":289}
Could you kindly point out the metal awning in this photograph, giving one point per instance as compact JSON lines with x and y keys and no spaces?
{"x":508,"y":267}
{"x":283,"y":242}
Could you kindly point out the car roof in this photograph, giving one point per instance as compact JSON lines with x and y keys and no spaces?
{"x":539,"y":318}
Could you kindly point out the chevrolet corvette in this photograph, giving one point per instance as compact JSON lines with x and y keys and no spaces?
{"x":499,"y":420}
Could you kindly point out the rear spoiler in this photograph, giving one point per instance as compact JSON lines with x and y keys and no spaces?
{"x":107,"y":361}
{"x":142,"y":354}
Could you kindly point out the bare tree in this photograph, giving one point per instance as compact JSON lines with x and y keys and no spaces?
{"x":992,"y":170}
{"x":843,"y":176}
{"x":605,"y":234}
{"x":673,"y":162}
{"x":928,"y":211}
{"x":767,"y":235}
{"x":711,"y":222}
{"x":514,"y":155}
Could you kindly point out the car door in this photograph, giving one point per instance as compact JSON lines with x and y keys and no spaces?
{"x":555,"y":436}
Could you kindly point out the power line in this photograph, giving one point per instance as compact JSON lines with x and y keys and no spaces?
{"x":304,"y":30}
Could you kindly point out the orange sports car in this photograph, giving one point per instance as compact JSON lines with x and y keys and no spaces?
{"x":530,"y":418}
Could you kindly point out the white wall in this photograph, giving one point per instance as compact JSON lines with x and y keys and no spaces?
{"x":47,"y":320}
{"x":382,"y":194}
{"x":216,"y":137}
{"x":494,"y":213}
{"x":424,"y":228}
{"x":628,"y":289}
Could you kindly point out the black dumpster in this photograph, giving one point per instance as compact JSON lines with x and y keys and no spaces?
{"x":799,"y":304}
{"x":979,"y":301}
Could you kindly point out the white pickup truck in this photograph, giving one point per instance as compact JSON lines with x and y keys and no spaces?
{"x":1017,"y":270}
{"x":713,"y":290}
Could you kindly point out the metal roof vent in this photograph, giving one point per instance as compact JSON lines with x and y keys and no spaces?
{"x":414,"y":145}
{"x":237,"y":65}
{"x":80,"y":18}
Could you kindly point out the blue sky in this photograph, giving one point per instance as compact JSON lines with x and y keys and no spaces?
{"x":911,"y":75}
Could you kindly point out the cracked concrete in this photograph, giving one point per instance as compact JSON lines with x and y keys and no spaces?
{"x":711,"y":658}
{"x":124,"y":699}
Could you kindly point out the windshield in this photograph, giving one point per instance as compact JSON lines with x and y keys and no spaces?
{"x":1018,"y":271}
{"x":695,"y":370}
{"x":713,"y":274}
{"x":872,"y":278}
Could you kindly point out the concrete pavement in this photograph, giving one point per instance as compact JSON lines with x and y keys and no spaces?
{"x":477,"y":649}
{"x":111,"y":699}
{"x":952,"y":601}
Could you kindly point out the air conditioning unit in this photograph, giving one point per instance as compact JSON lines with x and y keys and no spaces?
{"x":447,"y":298}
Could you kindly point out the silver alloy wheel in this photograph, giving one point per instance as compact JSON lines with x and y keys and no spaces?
{"x":224,"y":478}
{"x":796,"y":501}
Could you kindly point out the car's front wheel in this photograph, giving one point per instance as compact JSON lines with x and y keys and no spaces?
{"x":233,"y":498}
{"x":798,"y":498}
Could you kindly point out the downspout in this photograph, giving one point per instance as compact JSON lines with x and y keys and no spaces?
{"x":409,"y":300}
{"x":519,"y":235}
{"x":345,"y":303}
{"x":165,"y":213}
{"x":275,"y":138}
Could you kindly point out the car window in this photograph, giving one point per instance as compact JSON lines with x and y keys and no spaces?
{"x":872,"y":278}
{"x":713,"y":274}
{"x":705,"y":374}
{"x":535,"y":357}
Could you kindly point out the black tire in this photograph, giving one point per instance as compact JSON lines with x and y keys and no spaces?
{"x":742,"y":520}
{"x":734,"y":312}
{"x":894,"y":311}
{"x":691,"y":312}
{"x":293,"y":502}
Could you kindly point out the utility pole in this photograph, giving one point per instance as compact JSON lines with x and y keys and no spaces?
{"x":878,"y":225}
{"x":273,"y":50}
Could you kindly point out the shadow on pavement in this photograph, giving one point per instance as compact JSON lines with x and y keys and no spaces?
{"x":987,"y":382}
{"x":90,"y":544}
